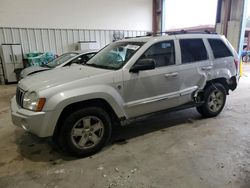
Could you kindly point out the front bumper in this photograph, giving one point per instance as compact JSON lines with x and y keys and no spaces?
{"x":37,"y":123}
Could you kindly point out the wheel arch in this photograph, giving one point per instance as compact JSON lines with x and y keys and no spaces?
{"x":222,"y":81}
{"x":98,"y":102}
{"x":199,"y":95}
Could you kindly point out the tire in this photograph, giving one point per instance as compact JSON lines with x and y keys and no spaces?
{"x":214,"y":100}
{"x":245,"y":58}
{"x":82,"y":128}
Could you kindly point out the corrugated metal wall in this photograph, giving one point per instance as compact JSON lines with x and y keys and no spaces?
{"x":58,"y":40}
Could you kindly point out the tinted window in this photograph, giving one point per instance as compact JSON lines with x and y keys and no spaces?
{"x":219,"y":48}
{"x":192,"y":50}
{"x":86,"y":57}
{"x":163,"y":53}
{"x":77,"y":60}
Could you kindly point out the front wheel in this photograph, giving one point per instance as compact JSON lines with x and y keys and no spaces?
{"x":85,"y":132}
{"x":214,"y":100}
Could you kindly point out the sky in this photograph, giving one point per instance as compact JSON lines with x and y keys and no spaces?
{"x":188,"y":13}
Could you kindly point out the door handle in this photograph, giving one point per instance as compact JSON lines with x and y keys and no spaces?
{"x":11,"y":58}
{"x":207,"y":68}
{"x":16,"y":58}
{"x":174,"y":74}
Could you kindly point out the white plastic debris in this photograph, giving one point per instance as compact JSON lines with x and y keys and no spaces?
{"x":100,"y":168}
{"x":61,"y":171}
{"x":134,"y":170}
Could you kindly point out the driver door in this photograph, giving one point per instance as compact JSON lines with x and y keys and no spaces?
{"x":153,"y":90}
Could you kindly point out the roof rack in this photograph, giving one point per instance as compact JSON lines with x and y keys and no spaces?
{"x":147,"y":35}
{"x":135,"y":37}
{"x":173,"y":33}
{"x":185,"y":32}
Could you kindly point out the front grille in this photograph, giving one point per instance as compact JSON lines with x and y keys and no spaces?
{"x":19,"y":97}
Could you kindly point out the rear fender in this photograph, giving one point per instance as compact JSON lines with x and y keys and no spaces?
{"x":220,"y":73}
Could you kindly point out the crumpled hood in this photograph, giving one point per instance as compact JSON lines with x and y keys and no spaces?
{"x":33,"y":69}
{"x":57,"y":77}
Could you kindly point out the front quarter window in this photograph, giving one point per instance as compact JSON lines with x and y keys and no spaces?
{"x":115,"y":55}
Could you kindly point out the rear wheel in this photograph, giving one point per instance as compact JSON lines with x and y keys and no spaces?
{"x":85,"y":132}
{"x":214,"y":100}
{"x":245,"y":58}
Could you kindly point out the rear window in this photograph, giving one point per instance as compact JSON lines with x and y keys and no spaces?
{"x":219,"y":48}
{"x":193,"y":50}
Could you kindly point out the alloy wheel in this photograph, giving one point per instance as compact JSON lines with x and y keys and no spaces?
{"x":87,"y":132}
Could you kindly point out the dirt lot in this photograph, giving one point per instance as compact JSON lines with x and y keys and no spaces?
{"x":177,"y":149}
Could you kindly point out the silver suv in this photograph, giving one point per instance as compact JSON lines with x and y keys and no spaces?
{"x":79,"y":105}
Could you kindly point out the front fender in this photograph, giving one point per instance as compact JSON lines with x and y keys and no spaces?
{"x":61,"y":100}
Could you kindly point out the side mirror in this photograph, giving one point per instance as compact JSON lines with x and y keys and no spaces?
{"x":143,"y":64}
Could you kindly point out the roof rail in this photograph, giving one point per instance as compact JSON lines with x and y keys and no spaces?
{"x":147,"y":35}
{"x":173,"y":33}
{"x":185,"y":32}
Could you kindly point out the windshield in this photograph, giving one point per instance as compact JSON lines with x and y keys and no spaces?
{"x":115,"y":55}
{"x":61,"y":59}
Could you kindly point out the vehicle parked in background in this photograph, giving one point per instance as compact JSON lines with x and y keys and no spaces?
{"x":79,"y":105}
{"x":245,"y":55}
{"x":66,"y":59}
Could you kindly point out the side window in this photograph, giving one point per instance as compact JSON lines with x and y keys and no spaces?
{"x":219,"y":48}
{"x":193,"y":50}
{"x":76,"y":60}
{"x":86,"y":57}
{"x":91,"y":55}
{"x":163,"y":53}
{"x":82,"y":59}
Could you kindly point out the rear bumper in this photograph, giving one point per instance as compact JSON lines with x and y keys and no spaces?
{"x":233,"y":82}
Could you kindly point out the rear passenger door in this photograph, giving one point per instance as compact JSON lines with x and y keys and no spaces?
{"x":195,"y":66}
